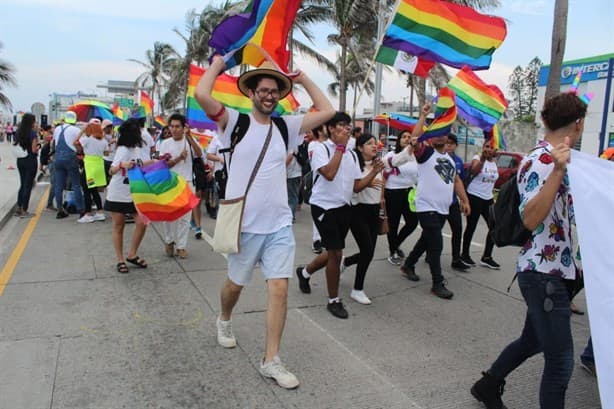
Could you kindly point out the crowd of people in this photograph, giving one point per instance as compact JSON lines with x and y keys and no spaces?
{"x":355,"y":185}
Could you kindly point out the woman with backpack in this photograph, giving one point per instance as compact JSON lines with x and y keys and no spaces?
{"x":26,"y":137}
{"x":548,"y":263}
{"x":483,"y":174}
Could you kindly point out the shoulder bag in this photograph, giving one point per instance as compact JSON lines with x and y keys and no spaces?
{"x":227,"y":235}
{"x":18,"y":151}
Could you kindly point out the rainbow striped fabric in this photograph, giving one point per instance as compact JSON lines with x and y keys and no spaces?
{"x":159,"y":122}
{"x":119,"y":116}
{"x":265,"y":23}
{"x":160,"y":194}
{"x":478,"y":103}
{"x":225,"y":90}
{"x":445,"y":115}
{"x":396,"y":121}
{"x":444,"y":32}
{"x":496,"y":137}
{"x":146,"y":104}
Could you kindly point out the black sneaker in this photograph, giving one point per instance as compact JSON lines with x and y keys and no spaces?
{"x":61,"y":214}
{"x":490,"y":263}
{"x":400,"y":253}
{"x":336,"y":308}
{"x":467,"y":261}
{"x":316,"y":247}
{"x":489,"y":390}
{"x":410,"y":273}
{"x":441,"y":291}
{"x":459,"y":266}
{"x":303,"y":283}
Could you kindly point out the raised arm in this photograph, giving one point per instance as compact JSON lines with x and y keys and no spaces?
{"x":325,"y":109}
{"x":212,"y":107}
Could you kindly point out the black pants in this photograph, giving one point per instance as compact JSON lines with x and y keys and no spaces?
{"x":456,"y":225}
{"x":364,"y":227}
{"x":430,"y":241}
{"x":90,"y":194}
{"x":27,"y":172}
{"x":479,"y":207}
{"x":397,"y":205}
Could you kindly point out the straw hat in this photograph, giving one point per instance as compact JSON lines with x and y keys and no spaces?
{"x":269,"y":70}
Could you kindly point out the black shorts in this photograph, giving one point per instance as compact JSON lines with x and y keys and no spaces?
{"x":119,"y":207}
{"x":333,"y":225}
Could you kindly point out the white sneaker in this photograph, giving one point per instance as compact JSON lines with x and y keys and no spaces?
{"x":225,"y":336}
{"x":100,"y":217}
{"x":360,"y":297}
{"x":86,"y":218}
{"x":276,"y":370}
{"x":342,"y":266}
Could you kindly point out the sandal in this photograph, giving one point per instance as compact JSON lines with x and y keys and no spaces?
{"x":137,"y":261}
{"x":122,"y":268}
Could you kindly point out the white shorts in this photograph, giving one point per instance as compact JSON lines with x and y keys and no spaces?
{"x":274,"y":251}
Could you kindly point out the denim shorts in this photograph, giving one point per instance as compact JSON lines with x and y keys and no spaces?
{"x":274,"y":252}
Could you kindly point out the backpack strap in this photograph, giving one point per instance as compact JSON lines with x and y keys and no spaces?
{"x":283,"y":128}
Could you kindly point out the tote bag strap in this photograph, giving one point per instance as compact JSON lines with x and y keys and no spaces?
{"x":260,"y":158}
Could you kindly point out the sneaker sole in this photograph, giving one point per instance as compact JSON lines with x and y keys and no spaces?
{"x":227,"y":345}
{"x":286,"y":386}
{"x":363,"y":302}
{"x":443,"y":298}
{"x":489,"y":266}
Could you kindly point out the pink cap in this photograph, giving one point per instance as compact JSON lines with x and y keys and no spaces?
{"x":106,"y":123}
{"x":94,"y":121}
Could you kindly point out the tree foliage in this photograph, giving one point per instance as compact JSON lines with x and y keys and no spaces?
{"x":7,"y":77}
{"x":522,"y":85}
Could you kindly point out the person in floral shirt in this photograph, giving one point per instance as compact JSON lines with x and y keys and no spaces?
{"x":548,"y":263}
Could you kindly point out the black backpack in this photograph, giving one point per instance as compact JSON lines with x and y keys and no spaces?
{"x":302,"y":157}
{"x":504,"y":222}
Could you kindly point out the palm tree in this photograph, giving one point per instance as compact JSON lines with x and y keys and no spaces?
{"x":158,"y":65}
{"x":7,"y":77}
{"x":559,"y":37}
{"x":355,"y":74}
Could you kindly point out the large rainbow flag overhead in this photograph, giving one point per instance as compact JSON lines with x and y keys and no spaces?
{"x":478,"y":103}
{"x":225,"y":90}
{"x":146,"y":104}
{"x":160,"y":194}
{"x":445,"y":115}
{"x":265,"y":23}
{"x":444,"y":32}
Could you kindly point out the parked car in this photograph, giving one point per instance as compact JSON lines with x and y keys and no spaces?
{"x":507,"y":164}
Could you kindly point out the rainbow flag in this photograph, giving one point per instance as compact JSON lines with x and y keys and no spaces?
{"x":225,"y":90}
{"x":160,"y":194}
{"x":444,"y":32}
{"x":159,"y":122}
{"x":204,"y":139}
{"x":265,"y":23}
{"x":146,"y":104}
{"x":396,"y":121}
{"x":445,"y":115}
{"x":496,"y":137}
{"x":478,"y":103}
{"x":118,"y":114}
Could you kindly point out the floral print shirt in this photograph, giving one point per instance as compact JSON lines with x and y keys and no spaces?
{"x":552,"y":248}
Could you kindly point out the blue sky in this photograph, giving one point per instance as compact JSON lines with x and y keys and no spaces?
{"x":72,"y":45}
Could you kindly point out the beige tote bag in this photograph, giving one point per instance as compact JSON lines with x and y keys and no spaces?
{"x":227,"y":234}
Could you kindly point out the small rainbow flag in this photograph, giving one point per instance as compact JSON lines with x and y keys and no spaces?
{"x":396,"y":121}
{"x":204,"y":139}
{"x":159,"y":122}
{"x":225,"y":90}
{"x":160,"y":194}
{"x":496,"y":137}
{"x":265,"y":23}
{"x":146,"y":104}
{"x":478,"y":103}
{"x":118,"y":113}
{"x":445,"y":115}
{"x":440,"y":31}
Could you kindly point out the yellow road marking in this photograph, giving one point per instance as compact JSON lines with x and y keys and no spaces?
{"x":11,"y":263}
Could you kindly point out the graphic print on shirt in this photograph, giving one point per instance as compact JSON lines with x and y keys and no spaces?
{"x":445,"y":170}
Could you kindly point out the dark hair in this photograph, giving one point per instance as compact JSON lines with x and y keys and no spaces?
{"x":452,"y":137}
{"x":356,"y":129}
{"x":141,"y":122}
{"x":561,"y":110}
{"x":130,"y":134}
{"x":47,"y":127}
{"x":338,"y":117}
{"x":361,"y":141}
{"x":397,"y":144}
{"x":177,"y":117}
{"x":252,"y":82}
{"x":24,"y":132}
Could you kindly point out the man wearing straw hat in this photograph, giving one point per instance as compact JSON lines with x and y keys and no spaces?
{"x":266,"y":230}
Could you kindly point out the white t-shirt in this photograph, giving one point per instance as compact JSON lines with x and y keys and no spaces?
{"x":148,"y":144}
{"x":214,"y":148}
{"x":266,"y":206}
{"x":294,"y":170}
{"x":183,"y":167}
{"x":483,"y":183}
{"x":403,"y":176}
{"x":71,"y":134}
{"x":337,"y":192}
{"x":110,"y":147}
{"x":436,"y":174}
{"x":369,"y":195}
{"x":93,"y":146}
{"x":118,"y":191}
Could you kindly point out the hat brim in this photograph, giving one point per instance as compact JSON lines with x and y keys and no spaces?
{"x":242,"y":82}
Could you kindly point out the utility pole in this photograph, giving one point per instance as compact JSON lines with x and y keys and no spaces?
{"x":381,"y":26}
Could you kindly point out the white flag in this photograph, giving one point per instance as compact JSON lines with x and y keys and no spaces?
{"x":592,"y":188}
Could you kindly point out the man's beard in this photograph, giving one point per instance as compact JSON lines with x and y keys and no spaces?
{"x":258,"y":106}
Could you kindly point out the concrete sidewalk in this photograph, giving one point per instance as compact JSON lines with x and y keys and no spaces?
{"x":76,"y":334}
{"x":9,"y":183}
